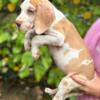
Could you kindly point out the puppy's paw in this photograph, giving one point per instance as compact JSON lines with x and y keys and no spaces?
{"x":35,"y":56}
{"x":47,"y":90}
{"x":35,"y":53}
{"x":27,"y":45}
{"x":50,"y":91}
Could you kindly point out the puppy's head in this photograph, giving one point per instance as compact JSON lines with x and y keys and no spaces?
{"x":37,"y":14}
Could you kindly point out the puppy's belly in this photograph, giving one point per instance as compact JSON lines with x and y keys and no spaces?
{"x":72,"y":60}
{"x":64,"y":55}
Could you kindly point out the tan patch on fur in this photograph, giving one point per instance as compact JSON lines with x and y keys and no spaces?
{"x":87,"y":70}
{"x":66,"y":52}
{"x":44,"y":15}
{"x":68,"y":30}
{"x":36,"y":3}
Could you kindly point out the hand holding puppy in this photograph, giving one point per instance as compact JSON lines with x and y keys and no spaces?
{"x":91,"y":87}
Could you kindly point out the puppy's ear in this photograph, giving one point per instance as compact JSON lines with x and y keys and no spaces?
{"x":44,"y":17}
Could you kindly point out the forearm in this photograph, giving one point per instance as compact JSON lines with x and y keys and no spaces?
{"x":50,"y":38}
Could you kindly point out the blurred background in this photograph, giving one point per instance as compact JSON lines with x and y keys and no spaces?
{"x":21,"y":77}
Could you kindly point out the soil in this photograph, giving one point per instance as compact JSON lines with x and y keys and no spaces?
{"x":21,"y":92}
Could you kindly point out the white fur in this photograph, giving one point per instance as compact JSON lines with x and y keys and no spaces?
{"x":72,"y":54}
{"x":63,"y":59}
{"x":86,"y":62}
{"x":58,"y":15}
{"x":26,"y":21}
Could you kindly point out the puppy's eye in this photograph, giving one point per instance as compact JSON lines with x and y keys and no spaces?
{"x":30,"y":11}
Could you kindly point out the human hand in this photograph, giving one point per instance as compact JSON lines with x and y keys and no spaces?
{"x":91,"y":87}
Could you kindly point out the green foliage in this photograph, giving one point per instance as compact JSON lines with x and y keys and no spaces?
{"x":81,"y":12}
{"x":9,"y":5}
{"x":72,"y":98}
{"x":13,"y":56}
{"x":4,"y":37}
{"x":55,"y":78}
{"x":14,"y":1}
{"x":43,"y":64}
{"x":27,"y":59}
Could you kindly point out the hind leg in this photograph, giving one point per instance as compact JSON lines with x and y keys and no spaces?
{"x":65,"y":88}
{"x":59,"y":96}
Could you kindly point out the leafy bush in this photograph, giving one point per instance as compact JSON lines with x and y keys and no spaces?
{"x":13,"y":56}
{"x":9,"y":5}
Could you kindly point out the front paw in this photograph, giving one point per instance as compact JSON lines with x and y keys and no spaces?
{"x":35,"y":53}
{"x":27,"y":45}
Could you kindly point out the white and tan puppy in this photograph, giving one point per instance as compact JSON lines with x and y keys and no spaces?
{"x":52,"y":28}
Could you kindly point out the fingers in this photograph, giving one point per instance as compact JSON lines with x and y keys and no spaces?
{"x":80,"y":80}
{"x":83,"y":83}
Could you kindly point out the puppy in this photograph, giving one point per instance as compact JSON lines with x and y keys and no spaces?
{"x":50,"y":27}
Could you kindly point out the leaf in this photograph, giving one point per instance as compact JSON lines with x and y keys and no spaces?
{"x":55,"y":76}
{"x":11,"y":7}
{"x":72,"y":98}
{"x":24,"y":72}
{"x":97,"y":10}
{"x":43,"y":50}
{"x":40,"y":68}
{"x":11,"y":64}
{"x":20,"y":38}
{"x":0,"y":64}
{"x":17,"y":49}
{"x":17,"y":58}
{"x":60,"y":1}
{"x":1,"y":4}
{"x":27,"y":59}
{"x":4,"y":36}
{"x":5,"y":52}
{"x":14,"y":1}
{"x":5,"y":61}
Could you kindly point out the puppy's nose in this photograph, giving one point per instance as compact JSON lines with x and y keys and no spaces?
{"x":18,"y":24}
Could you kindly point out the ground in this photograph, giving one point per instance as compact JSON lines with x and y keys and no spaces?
{"x":21,"y":92}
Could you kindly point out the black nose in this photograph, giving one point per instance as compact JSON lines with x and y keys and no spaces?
{"x":18,"y":24}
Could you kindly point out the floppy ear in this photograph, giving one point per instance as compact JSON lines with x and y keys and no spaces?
{"x":44,"y":17}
